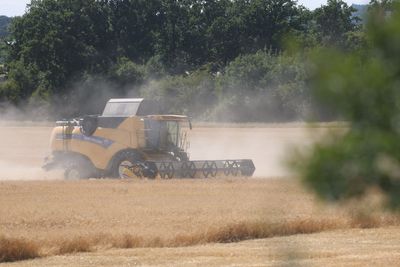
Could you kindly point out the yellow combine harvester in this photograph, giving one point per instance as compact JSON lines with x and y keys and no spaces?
{"x":132,"y":138}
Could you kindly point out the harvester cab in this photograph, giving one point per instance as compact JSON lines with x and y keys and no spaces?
{"x":164,"y":133}
{"x":132,"y":138}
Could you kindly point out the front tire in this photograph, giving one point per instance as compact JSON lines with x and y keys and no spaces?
{"x":127,"y":164}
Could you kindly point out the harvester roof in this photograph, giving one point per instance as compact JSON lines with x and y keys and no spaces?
{"x":168,"y":117}
{"x":125,"y":107}
{"x":125,"y":100}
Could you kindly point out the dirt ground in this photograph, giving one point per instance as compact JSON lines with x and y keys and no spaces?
{"x":43,"y":208}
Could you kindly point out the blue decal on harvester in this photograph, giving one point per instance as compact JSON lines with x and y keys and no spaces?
{"x":104,"y":142}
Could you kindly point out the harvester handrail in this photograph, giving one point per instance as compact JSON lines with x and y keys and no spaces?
{"x":73,"y":122}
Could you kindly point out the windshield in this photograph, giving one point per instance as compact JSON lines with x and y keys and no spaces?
{"x":172,"y":132}
{"x":162,"y":134}
{"x":120,"y":109}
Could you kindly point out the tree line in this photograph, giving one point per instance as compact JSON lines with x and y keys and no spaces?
{"x":219,"y":59}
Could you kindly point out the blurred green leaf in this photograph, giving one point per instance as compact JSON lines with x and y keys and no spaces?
{"x":364,"y":88}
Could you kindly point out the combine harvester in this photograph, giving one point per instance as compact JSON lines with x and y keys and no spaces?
{"x":132,"y":138}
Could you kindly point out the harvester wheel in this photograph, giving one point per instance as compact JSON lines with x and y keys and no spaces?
{"x":77,"y":167}
{"x":73,"y":173}
{"x":127,"y":165}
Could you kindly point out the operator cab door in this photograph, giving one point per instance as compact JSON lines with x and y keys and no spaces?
{"x":161,"y":135}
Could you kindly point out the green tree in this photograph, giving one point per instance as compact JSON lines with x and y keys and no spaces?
{"x":61,"y":38}
{"x":22,"y":82}
{"x":334,"y":21}
{"x":127,"y":73}
{"x":192,"y":94}
{"x":174,"y":20}
{"x":364,"y":89}
{"x":4,"y":24}
{"x":135,"y":25}
{"x":224,"y":30}
{"x":263,"y":87}
{"x":384,"y":5}
{"x":267,"y":22}
{"x":59,"y":43}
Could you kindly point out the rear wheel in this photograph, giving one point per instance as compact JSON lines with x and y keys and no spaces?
{"x":72,"y":174}
{"x":78,"y":167}
{"x":76,"y":172}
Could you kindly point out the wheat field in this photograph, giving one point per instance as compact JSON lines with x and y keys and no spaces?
{"x":263,"y":220}
{"x":50,"y":211}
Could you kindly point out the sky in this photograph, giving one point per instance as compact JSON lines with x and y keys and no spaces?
{"x":12,"y":8}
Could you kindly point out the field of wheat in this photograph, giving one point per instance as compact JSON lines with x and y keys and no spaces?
{"x":180,"y":221}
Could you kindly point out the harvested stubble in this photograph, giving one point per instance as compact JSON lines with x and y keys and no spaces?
{"x":16,"y":249}
{"x":58,"y":217}
{"x":78,"y":244}
{"x":13,"y":249}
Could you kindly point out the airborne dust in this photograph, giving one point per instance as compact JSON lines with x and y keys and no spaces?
{"x":23,"y":148}
{"x":25,"y":134}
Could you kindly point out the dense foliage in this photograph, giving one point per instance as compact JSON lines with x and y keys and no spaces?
{"x":364,"y":88}
{"x":4,"y":32}
{"x":4,"y":24}
{"x":203,"y":57}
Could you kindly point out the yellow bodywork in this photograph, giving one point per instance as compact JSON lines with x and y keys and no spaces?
{"x":103,"y":144}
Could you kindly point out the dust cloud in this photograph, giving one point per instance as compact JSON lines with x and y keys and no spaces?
{"x":26,"y":111}
{"x":22,"y":151}
{"x":268,"y":146}
{"x":24,"y":145}
{"x":18,"y":171}
{"x":23,"y":148}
